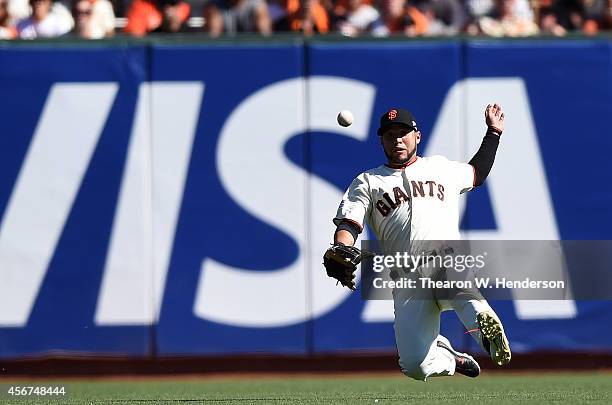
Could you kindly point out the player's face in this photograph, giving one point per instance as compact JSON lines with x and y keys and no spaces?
{"x":400,"y":144}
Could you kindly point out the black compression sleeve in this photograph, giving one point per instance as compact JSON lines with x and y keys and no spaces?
{"x":482,"y":162}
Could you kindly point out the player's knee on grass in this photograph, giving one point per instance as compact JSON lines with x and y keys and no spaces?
{"x":413,"y":369}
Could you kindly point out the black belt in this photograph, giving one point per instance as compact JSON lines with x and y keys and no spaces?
{"x":424,"y":258}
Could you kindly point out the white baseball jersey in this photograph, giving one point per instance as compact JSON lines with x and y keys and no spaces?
{"x":415,"y":204}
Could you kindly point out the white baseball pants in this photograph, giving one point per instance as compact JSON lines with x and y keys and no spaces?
{"x":417,"y":329}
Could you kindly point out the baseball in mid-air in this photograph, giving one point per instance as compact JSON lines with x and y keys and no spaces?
{"x":345,"y":118}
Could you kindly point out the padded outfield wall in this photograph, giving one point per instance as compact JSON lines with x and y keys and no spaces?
{"x":175,"y":199}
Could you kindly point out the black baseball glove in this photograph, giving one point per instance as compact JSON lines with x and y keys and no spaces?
{"x":341,"y":262}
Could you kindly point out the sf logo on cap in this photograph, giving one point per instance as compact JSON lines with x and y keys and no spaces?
{"x":392,"y":114}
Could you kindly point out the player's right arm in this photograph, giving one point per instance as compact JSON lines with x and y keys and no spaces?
{"x":353,"y":209}
{"x":340,"y":261}
{"x":344,"y":236}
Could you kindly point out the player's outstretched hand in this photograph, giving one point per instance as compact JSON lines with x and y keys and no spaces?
{"x":494,"y":117}
{"x":341,"y":262}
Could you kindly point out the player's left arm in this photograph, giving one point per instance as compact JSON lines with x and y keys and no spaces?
{"x":482,"y":162}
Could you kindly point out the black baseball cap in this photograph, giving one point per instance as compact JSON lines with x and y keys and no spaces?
{"x":397,"y":116}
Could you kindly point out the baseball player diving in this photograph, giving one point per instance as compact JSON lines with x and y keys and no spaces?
{"x":408,"y":202}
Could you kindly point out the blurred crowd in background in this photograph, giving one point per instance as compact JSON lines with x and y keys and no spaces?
{"x":94,"y":19}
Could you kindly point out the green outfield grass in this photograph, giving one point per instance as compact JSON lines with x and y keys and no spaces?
{"x":531,"y":388}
